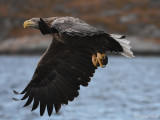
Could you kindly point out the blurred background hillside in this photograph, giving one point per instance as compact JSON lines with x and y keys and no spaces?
{"x":138,"y":19}
{"x":126,"y":89}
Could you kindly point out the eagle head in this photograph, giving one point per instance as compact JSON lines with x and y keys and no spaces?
{"x":43,"y":24}
{"x":33,"y":22}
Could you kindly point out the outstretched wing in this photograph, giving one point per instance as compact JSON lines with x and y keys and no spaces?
{"x":74,"y":27}
{"x":75,"y":31}
{"x":58,"y":76}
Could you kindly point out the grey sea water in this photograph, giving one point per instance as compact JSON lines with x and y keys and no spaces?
{"x":127,"y":89}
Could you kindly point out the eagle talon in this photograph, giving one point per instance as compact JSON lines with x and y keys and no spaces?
{"x":100,"y":58}
{"x":95,"y":61}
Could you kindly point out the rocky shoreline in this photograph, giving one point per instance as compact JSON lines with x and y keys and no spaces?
{"x":37,"y":44}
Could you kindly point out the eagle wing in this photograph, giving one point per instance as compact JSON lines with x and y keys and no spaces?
{"x":58,"y":76}
{"x":79,"y":30}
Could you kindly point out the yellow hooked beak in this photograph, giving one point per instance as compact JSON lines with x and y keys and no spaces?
{"x":29,"y":23}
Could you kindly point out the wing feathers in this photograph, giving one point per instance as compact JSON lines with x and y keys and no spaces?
{"x":36,"y":99}
{"x":35,"y":104}
{"x":43,"y":99}
{"x":55,"y":84}
{"x":26,"y":94}
{"x":30,"y":99}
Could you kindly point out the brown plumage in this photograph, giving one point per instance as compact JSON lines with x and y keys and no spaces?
{"x":67,"y":63}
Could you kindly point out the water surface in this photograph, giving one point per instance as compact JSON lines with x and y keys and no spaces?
{"x":127,"y":89}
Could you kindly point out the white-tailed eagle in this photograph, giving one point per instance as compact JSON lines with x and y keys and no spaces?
{"x":77,"y":49}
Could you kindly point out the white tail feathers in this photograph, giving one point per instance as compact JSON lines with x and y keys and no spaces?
{"x":125,"y":45}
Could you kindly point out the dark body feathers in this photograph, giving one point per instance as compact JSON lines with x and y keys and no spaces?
{"x":67,"y":63}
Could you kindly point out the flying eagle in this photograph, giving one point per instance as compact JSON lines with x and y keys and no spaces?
{"x":76,"y":51}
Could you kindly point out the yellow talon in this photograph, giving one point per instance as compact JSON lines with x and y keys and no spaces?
{"x":100,"y":58}
{"x":97,"y":59}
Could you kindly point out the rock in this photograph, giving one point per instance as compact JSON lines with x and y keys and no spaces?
{"x":151,"y":31}
{"x":135,"y":28}
{"x":154,"y":3}
{"x":109,"y":13}
{"x":140,"y":45}
{"x":128,"y":6}
{"x":128,"y":18}
{"x":144,"y":30}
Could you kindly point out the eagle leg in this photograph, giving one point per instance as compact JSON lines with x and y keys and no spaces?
{"x":95,"y":60}
{"x":100,"y":58}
